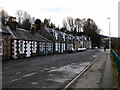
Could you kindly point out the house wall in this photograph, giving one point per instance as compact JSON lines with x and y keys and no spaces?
{"x":40,"y":49}
{"x":87,"y":44}
{"x":56,"y":47}
{"x":77,"y":45}
{"x":48,"y":48}
{"x":16,"y":52}
{"x":16,"y":49}
{"x":33,"y":50}
{"x":69,"y":46}
{"x":6,"y":43}
{"x":60,"y":47}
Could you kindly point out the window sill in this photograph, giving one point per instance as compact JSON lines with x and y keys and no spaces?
{"x":21,"y":52}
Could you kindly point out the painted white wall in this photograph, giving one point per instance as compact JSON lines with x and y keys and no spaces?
{"x":34,"y":45}
{"x":56,"y":46}
{"x":1,"y":47}
{"x":14,"y":47}
{"x":28,"y":53}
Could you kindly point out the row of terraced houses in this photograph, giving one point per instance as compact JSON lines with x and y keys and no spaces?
{"x":20,"y":43}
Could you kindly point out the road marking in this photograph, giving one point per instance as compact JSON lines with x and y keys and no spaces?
{"x":27,"y":75}
{"x":14,"y":80}
{"x":18,"y":72}
{"x":46,"y":69}
{"x":34,"y":83}
{"x":24,"y":76}
{"x":71,"y":82}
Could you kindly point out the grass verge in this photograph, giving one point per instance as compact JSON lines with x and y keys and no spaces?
{"x":115,"y":74}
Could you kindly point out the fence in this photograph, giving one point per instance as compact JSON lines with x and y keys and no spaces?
{"x":117,"y":60}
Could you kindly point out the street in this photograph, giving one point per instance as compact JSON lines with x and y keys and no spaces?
{"x":53,"y":71}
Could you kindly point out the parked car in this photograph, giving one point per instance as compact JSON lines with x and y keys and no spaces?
{"x":81,"y":49}
{"x":71,"y":50}
{"x":96,"y":47}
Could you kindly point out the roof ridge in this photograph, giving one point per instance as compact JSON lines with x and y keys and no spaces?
{"x":23,"y":29}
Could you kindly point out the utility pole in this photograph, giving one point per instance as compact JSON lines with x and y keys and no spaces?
{"x":109,"y":34}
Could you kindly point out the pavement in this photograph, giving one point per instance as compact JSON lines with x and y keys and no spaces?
{"x":99,"y":75}
{"x":0,"y":72}
{"x":108,"y":74}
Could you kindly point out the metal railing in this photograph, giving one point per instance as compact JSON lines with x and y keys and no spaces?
{"x":116,"y":59}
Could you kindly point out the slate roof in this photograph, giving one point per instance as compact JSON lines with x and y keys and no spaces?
{"x":27,"y":35}
{"x":3,"y":28}
{"x":43,"y":32}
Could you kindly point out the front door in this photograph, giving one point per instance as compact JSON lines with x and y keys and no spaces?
{"x":28,"y":49}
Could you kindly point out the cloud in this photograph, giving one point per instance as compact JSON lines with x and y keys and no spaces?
{"x":56,"y":9}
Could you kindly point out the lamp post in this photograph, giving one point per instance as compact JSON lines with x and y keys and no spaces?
{"x":109,"y":34}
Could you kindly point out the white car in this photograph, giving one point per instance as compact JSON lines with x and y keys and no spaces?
{"x":81,"y":49}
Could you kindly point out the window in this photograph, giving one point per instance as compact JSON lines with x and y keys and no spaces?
{"x":21,"y":47}
{"x":49,"y":47}
{"x":56,"y":37}
{"x":1,"y":50}
{"x":64,"y":37}
{"x":56,"y":47}
{"x":64,"y":46}
{"x":41,"y":46}
{"x":33,"y":46}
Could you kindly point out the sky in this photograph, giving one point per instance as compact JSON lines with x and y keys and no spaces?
{"x":57,"y":10}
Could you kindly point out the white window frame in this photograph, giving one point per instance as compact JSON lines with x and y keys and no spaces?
{"x":41,"y":46}
{"x":64,"y":46}
{"x":33,"y":46}
{"x":49,"y":49}
{"x":21,"y":42}
{"x":1,"y":46}
{"x":56,"y":36}
{"x":56,"y":46}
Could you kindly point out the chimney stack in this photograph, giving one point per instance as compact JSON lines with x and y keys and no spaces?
{"x":33,"y":29}
{"x":12,"y":23}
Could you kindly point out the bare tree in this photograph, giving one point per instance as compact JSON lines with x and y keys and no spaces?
{"x":70,"y":22}
{"x":26,"y":16}
{"x":33,"y":20}
{"x":4,"y":16}
{"x":78,"y":24}
{"x":64,"y":24}
{"x":19,"y":15}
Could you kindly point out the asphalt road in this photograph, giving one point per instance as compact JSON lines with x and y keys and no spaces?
{"x":53,"y":71}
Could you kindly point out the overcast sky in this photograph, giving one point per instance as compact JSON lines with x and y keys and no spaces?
{"x":57,"y":10}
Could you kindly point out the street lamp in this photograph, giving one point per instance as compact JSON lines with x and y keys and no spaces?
{"x":109,"y":34}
